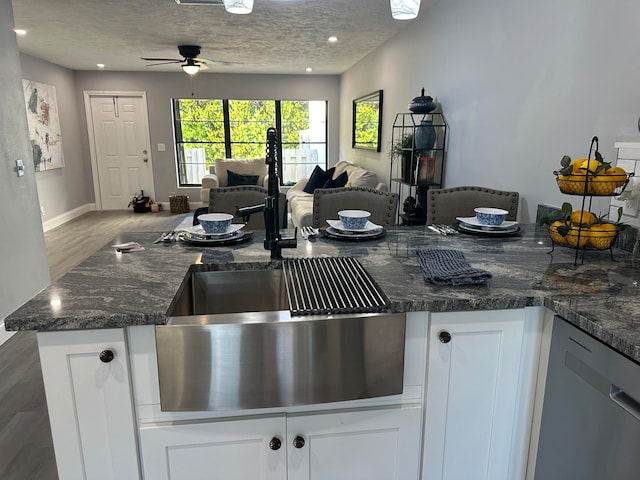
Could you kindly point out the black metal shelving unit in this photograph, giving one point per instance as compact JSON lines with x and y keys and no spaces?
{"x":413,"y":171}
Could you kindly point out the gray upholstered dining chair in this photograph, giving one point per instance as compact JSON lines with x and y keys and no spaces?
{"x":228,"y":199}
{"x":327,"y":202}
{"x":445,"y":204}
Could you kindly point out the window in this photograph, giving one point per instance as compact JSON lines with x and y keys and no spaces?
{"x":210,"y":129}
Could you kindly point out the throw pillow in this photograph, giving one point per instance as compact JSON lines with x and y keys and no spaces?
{"x":318,"y":178}
{"x":339,"y":181}
{"x":234,"y":179}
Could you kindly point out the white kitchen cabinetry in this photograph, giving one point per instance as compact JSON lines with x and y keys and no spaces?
{"x":86,"y":380}
{"x":216,"y":450}
{"x":480,"y":390}
{"x":376,"y":444}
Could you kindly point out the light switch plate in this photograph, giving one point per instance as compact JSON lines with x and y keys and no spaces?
{"x":20,"y":167}
{"x":161,"y":147}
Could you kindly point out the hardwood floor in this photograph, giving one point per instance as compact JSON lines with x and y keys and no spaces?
{"x":26,"y":448}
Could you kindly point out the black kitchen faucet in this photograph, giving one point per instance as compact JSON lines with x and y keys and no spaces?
{"x":272,"y":241}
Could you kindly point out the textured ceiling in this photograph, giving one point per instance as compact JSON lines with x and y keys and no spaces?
{"x":279,"y":36}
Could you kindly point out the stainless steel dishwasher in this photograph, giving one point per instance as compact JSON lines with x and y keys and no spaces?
{"x":591,"y":413}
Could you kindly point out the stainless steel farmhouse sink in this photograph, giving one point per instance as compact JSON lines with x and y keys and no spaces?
{"x":313,"y":331}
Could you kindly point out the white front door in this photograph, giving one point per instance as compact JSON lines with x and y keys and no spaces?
{"x":120,"y":148}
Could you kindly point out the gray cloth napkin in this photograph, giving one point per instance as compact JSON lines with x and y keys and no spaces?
{"x":449,"y":267}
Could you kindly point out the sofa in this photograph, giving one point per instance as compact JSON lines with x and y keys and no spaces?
{"x":241,"y":169}
{"x":301,"y":202}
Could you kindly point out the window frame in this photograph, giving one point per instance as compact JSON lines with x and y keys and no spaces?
{"x":228,"y":143}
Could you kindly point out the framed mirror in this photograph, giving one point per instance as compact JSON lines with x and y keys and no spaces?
{"x":367,"y":121}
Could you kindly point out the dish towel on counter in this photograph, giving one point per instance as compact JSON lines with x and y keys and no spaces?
{"x":449,"y":267}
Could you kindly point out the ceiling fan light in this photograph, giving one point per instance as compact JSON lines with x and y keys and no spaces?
{"x":191,"y":69}
{"x":405,"y":9}
{"x":239,"y":7}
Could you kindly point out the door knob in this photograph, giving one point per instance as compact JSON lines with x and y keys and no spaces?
{"x":106,"y":356}
{"x":275,"y":443}
{"x":298,"y":441}
{"x":444,"y":336}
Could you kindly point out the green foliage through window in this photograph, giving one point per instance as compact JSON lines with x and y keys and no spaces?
{"x":216,"y":128}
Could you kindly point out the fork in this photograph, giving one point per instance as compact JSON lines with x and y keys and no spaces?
{"x":447,"y":229}
{"x":309,"y":232}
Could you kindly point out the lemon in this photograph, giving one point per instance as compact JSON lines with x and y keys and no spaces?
{"x":555,"y":235}
{"x":577,"y":163}
{"x":576,"y":237}
{"x":617,"y":174}
{"x":602,"y":185}
{"x":582,"y":217}
{"x":602,"y":235}
{"x":590,"y":166}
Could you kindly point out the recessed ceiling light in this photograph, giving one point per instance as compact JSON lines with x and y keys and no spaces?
{"x":333,"y":39}
{"x":308,"y":69}
{"x":100,"y":65}
{"x":20,"y":31}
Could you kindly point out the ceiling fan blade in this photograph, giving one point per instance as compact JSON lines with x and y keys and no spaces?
{"x":162,"y":60}
{"x":203,"y":66}
{"x":162,"y":63}
{"x":225,"y":63}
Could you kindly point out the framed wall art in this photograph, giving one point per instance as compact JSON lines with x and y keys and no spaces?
{"x":367,"y":121}
{"x":44,"y":125}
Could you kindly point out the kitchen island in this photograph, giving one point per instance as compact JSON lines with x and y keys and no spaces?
{"x":111,"y":290}
{"x":112,"y":301}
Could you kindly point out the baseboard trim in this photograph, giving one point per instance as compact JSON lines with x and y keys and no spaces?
{"x":4,"y":335}
{"x":67,"y":216}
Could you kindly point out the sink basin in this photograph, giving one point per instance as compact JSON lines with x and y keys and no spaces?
{"x":231,"y":343}
{"x":225,"y":292}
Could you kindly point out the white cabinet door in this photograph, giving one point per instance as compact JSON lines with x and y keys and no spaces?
{"x":473,"y":395}
{"x":89,"y":404}
{"x":216,"y":450}
{"x":375,"y":444}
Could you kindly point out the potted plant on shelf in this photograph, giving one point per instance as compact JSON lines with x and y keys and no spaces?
{"x":406,"y":150}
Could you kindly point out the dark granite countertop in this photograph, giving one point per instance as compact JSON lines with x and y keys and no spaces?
{"x":111,"y":290}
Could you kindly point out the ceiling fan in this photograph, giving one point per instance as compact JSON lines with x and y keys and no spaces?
{"x":191,"y":62}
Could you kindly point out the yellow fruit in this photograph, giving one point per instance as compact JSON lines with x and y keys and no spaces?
{"x":576,"y":237}
{"x":572,"y":184}
{"x":617,"y":174}
{"x":577,"y":163}
{"x":555,"y":235}
{"x":602,"y":235}
{"x":590,"y":165}
{"x":582,"y":217}
{"x":601,"y":185}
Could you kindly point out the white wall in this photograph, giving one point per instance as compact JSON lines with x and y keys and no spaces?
{"x":162,"y":87}
{"x":521,"y":83}
{"x":23,"y":262}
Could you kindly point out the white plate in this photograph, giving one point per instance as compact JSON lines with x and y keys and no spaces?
{"x":199,"y":231}
{"x":368,"y":227}
{"x":191,"y":238}
{"x":355,"y":235}
{"x":502,"y":231}
{"x":473,"y":221}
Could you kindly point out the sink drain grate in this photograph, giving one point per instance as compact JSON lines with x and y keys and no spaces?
{"x":335,"y":285}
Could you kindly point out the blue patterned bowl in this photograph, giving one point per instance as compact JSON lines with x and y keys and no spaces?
{"x":354,"y":219}
{"x":490,"y":216}
{"x":215,"y":222}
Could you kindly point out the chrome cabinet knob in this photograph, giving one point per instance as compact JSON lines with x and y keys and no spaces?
{"x":298,"y":441}
{"x":444,"y":336}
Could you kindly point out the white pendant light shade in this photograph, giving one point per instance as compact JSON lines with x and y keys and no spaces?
{"x":191,"y":67}
{"x":405,"y":9}
{"x":240,"y":7}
